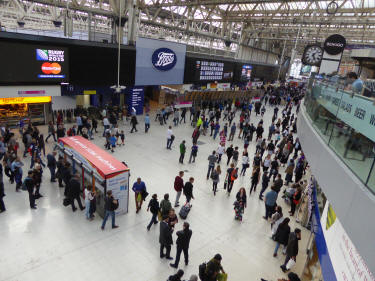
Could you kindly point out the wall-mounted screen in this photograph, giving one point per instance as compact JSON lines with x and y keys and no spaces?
{"x":29,"y":63}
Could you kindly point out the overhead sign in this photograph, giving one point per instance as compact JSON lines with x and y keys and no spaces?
{"x":335,"y":44}
{"x":25,"y":100}
{"x":164,"y":59}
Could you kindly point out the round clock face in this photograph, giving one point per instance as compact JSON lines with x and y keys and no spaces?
{"x":313,"y":55}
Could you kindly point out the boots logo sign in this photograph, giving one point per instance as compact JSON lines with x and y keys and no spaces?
{"x":164,"y":59}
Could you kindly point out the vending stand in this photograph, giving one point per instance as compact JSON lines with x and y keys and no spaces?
{"x":98,"y":168}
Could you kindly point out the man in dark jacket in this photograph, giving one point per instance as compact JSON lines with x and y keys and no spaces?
{"x":183,"y":241}
{"x":60,"y":169}
{"x":74,"y":192}
{"x":29,"y":183}
{"x":51,"y":164}
{"x":213,"y":268}
{"x":165,"y":238}
{"x":188,"y":189}
{"x":292,"y":248}
{"x":153,"y":206}
{"x":66,"y":176}
{"x":110,"y":206}
{"x":229,"y":153}
{"x":278,"y":183}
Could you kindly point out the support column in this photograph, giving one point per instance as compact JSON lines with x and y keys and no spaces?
{"x":89,"y":19}
{"x":133,"y":17}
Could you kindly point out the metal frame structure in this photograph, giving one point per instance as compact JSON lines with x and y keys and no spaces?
{"x":226,"y":25}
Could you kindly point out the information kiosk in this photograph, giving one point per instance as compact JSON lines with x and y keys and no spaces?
{"x":98,"y":168}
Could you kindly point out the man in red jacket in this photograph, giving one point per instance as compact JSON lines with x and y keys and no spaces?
{"x":178,"y":186}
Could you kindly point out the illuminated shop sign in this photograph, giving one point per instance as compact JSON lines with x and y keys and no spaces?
{"x":19,"y":100}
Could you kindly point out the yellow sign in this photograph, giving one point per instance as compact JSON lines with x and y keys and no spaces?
{"x":89,"y":92}
{"x":25,"y":100}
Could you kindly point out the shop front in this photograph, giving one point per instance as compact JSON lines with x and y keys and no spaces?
{"x":32,"y":103}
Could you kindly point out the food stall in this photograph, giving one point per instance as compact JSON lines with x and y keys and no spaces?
{"x":98,"y":168}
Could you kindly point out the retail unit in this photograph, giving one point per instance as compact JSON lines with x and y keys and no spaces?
{"x":97,"y":168}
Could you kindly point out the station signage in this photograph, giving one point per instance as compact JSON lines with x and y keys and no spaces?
{"x":335,"y":44}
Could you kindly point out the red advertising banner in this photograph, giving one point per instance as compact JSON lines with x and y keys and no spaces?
{"x":92,"y":156}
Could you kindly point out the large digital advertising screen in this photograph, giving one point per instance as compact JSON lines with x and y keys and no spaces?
{"x":29,"y":63}
{"x":205,"y":70}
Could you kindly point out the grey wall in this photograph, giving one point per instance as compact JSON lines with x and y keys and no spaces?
{"x":147,"y":74}
{"x":352,"y":202}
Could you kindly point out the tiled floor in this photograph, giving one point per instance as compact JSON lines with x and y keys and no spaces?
{"x":53,"y":243}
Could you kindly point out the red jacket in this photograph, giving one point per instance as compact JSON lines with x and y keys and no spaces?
{"x":178,"y":183}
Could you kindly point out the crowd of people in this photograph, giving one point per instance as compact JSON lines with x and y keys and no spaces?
{"x":277,"y":151}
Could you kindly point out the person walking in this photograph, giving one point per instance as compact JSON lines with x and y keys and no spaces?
{"x":153,"y":206}
{"x":74,"y":192}
{"x":232,"y":132}
{"x":282,"y":235}
{"x":292,"y":248}
{"x":220,"y":151}
{"x":2,"y":195}
{"x":270,"y":202}
{"x":147,"y":123}
{"x":215,"y":176}
{"x":182,"y":242}
{"x":165,"y":238}
{"x":134,"y":122}
{"x":165,"y":205}
{"x":265,"y":181}
{"x":139,"y":187}
{"x":193,"y":153}
{"x":178,"y":186}
{"x":110,"y":205}
{"x":255,"y":177}
{"x":232,"y":175}
{"x":240,"y":204}
{"x":170,"y":137}
{"x":229,"y":153}
{"x":182,"y":152}
{"x":29,"y":184}
{"x":236,"y":154}
{"x":188,"y":190}
{"x":51,"y":164}
{"x":51,"y":131}
{"x":245,"y":163}
{"x":211,"y":163}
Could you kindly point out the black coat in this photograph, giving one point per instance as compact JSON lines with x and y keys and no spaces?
{"x":165,"y":237}
{"x":282,"y":234}
{"x":74,"y":188}
{"x":183,"y":238}
{"x":292,"y":248}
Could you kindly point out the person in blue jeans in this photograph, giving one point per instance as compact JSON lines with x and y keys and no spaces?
{"x":211,"y":163}
{"x":270,"y":202}
{"x":110,"y":206}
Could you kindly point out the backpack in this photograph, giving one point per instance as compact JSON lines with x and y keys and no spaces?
{"x":202,"y":271}
{"x":233,"y":175}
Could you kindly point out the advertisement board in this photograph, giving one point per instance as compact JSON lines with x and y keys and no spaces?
{"x":346,"y":261}
{"x":31,"y":63}
{"x":159,"y":62}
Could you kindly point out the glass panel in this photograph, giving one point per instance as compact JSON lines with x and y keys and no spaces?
{"x":371,"y":179}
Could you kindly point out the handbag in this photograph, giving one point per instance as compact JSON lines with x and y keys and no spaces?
{"x":144,"y":194}
{"x":159,"y":216}
{"x":290,"y":264}
{"x":222,"y":277}
{"x":225,"y":183}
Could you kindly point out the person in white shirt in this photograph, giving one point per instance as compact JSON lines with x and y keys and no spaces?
{"x":89,"y":196}
{"x":245,"y":163}
{"x":106,"y":124}
{"x":170,"y":137}
{"x":220,"y":151}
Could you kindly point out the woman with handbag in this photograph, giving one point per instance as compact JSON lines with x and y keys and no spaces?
{"x":240,"y":204}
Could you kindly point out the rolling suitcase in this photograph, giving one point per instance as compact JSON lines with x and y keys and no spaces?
{"x":184,"y":211}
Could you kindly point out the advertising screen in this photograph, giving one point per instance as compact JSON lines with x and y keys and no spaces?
{"x":29,"y":63}
{"x":204,"y":70}
{"x":246,"y":72}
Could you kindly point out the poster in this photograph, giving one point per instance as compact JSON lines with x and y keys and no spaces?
{"x":135,"y":99}
{"x":119,"y":185}
{"x":346,"y":261}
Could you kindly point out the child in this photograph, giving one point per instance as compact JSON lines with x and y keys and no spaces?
{"x":122,"y":136}
{"x":112,"y":141}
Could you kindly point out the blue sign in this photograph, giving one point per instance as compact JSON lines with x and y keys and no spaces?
{"x":135,"y":99}
{"x":164,"y":59}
